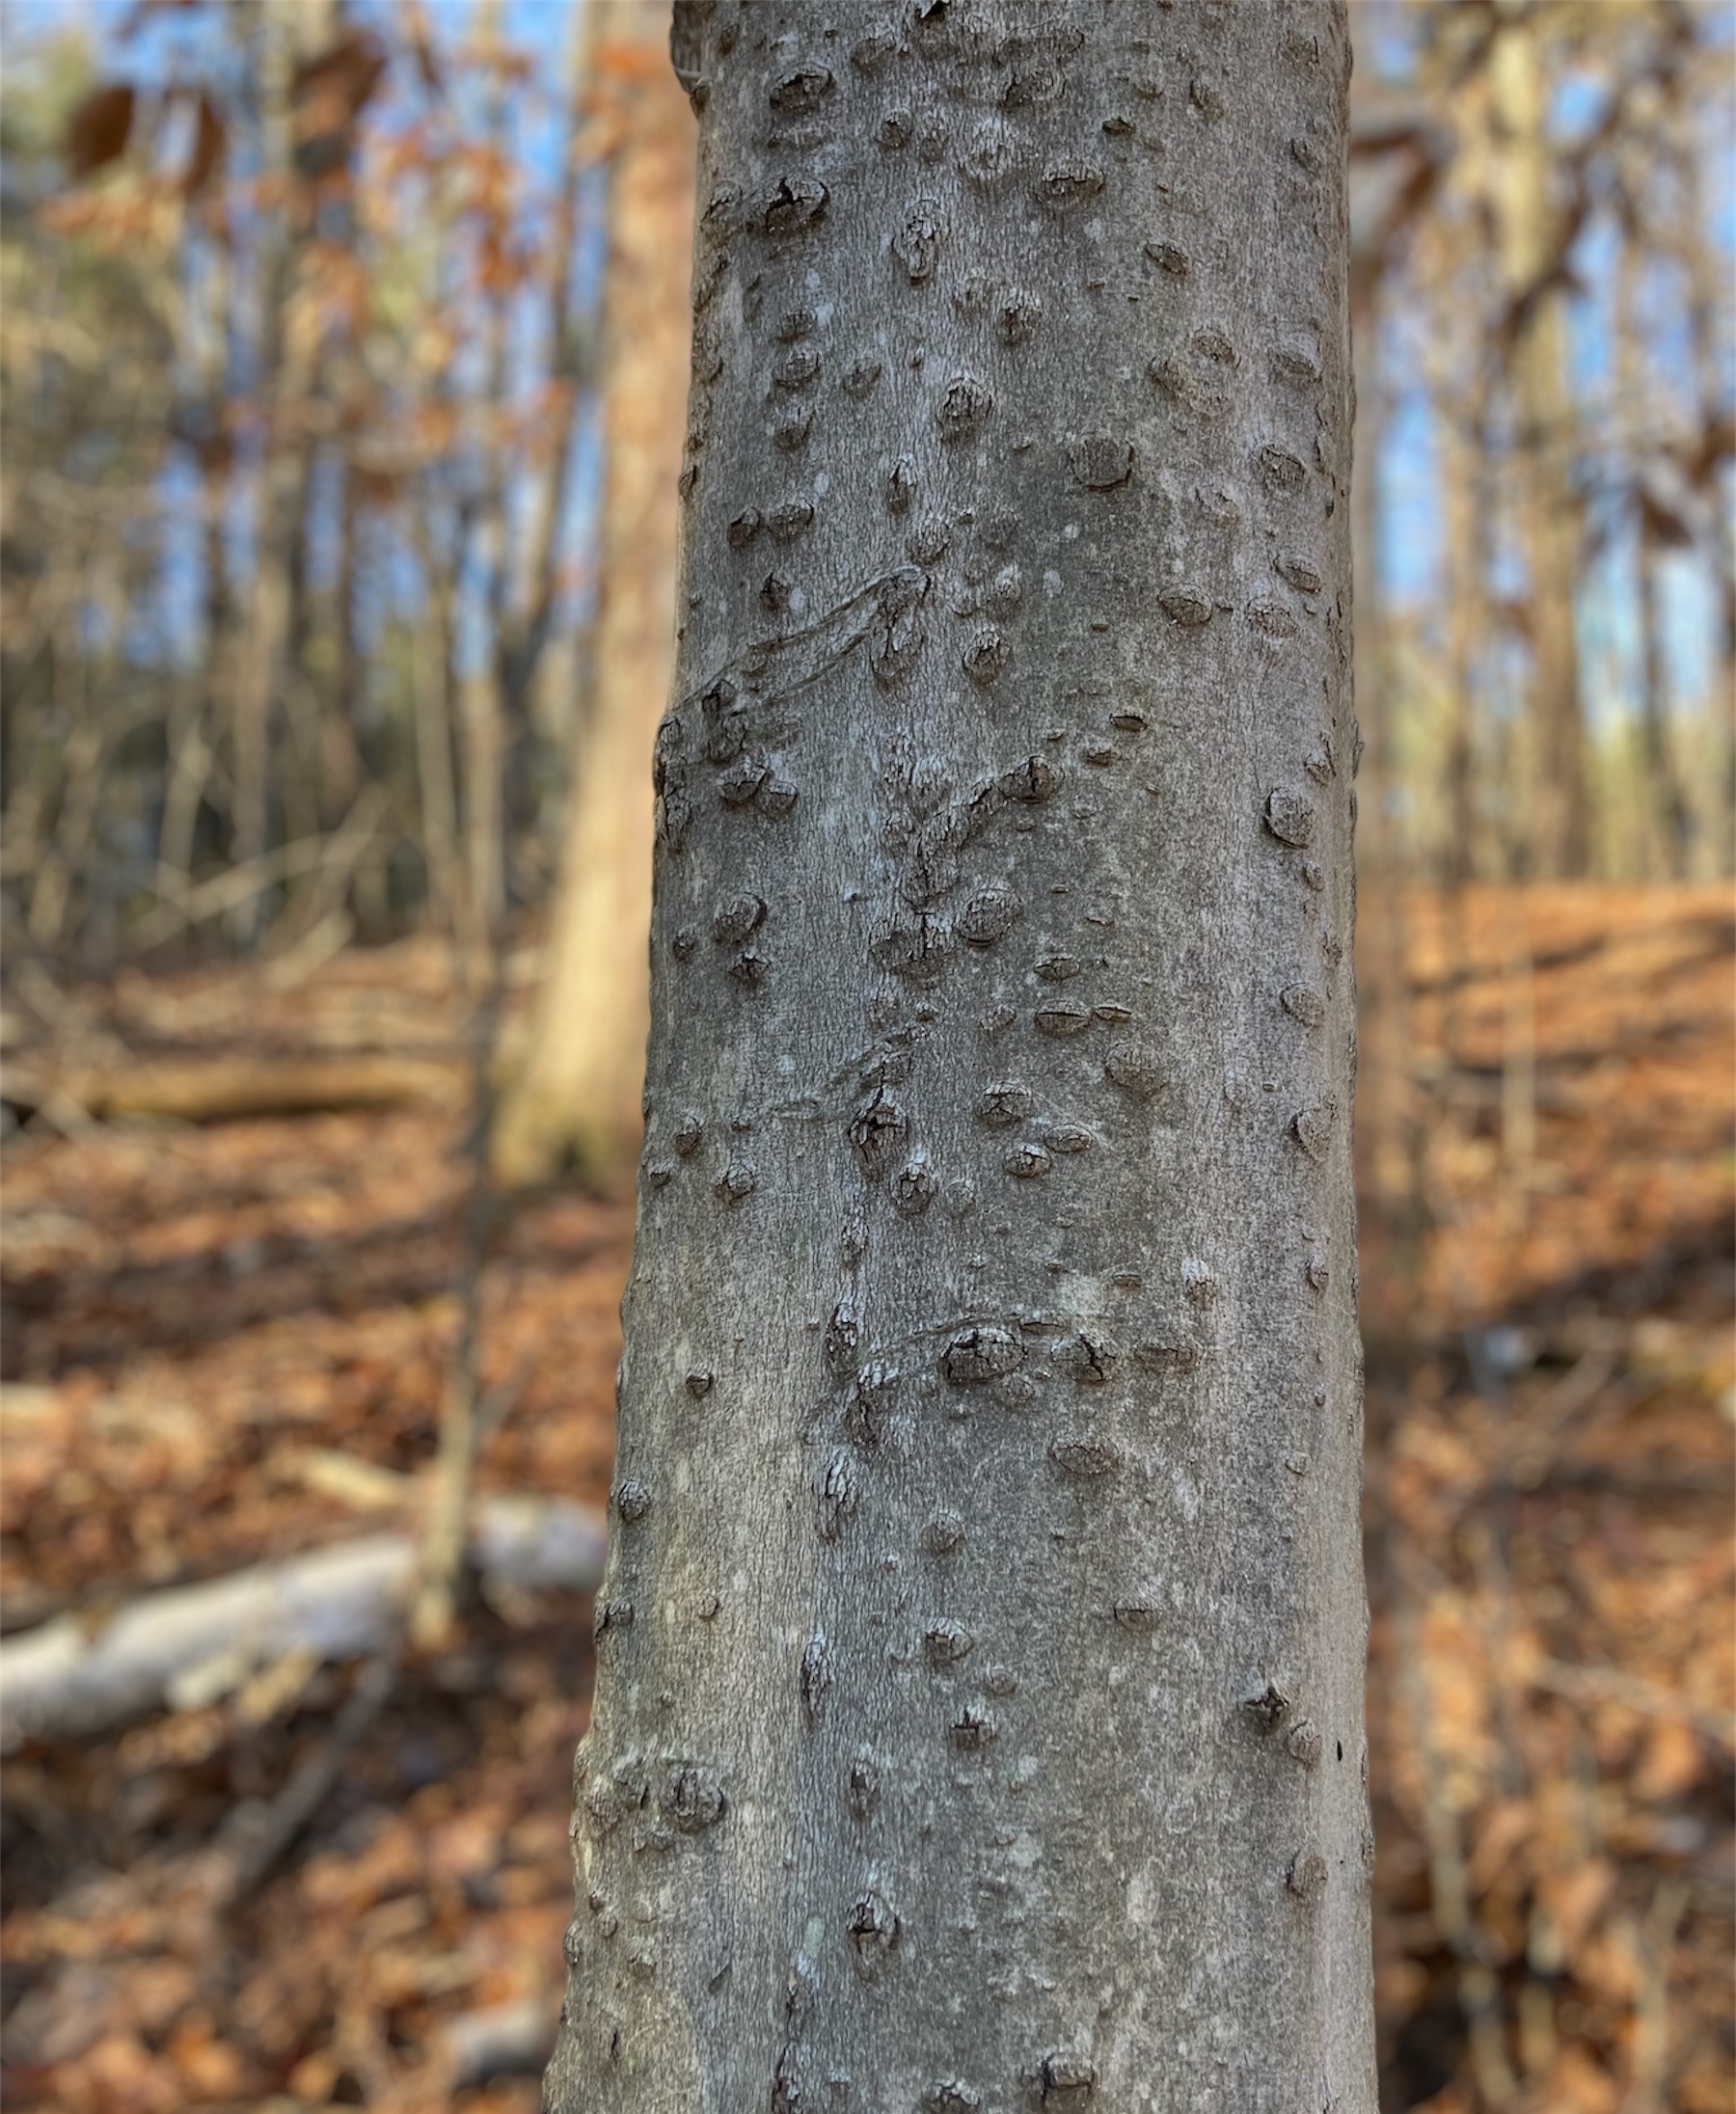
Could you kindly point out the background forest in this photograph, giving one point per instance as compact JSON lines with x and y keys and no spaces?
{"x":344,"y":350}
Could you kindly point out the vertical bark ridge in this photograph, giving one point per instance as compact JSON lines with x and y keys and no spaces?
{"x":979,"y":1707}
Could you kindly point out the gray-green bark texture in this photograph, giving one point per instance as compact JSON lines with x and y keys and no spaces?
{"x":979,"y":1701}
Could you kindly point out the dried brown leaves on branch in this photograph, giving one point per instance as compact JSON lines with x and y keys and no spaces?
{"x":258,"y":423}
{"x":281,"y":526}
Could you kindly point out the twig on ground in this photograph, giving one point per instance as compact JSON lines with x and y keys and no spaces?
{"x":1654,"y":1941}
{"x":255,"y":1838}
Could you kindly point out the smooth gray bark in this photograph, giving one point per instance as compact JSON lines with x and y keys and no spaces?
{"x":978,"y":1708}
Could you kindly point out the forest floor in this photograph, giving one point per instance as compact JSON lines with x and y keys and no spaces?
{"x":208,"y":1324}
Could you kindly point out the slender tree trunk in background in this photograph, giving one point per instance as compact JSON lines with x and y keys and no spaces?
{"x":1465,"y":494}
{"x":485,"y":741}
{"x":979,"y":1707}
{"x":1387,"y":1135}
{"x":1549,"y":511}
{"x":488,"y":745}
{"x":287,"y":29}
{"x":191,"y":751}
{"x":83,"y":681}
{"x":259,"y":628}
{"x":1667,"y":823}
{"x":1702,"y":267}
{"x":344,"y":768}
{"x":432,"y":681}
{"x":577,"y":1096}
{"x":1458,"y":366}
{"x":1671,"y":822}
{"x":527,"y":619}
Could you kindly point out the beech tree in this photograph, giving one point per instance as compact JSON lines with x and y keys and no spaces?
{"x":577,"y":1095}
{"x":979,"y":1701}
{"x":1550,"y":512}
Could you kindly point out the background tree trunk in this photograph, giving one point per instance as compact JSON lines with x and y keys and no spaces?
{"x":1466,"y":534}
{"x":1668,"y":820}
{"x":1387,"y":1132}
{"x":1549,"y":511}
{"x":526,"y":620}
{"x":284,"y":356}
{"x":578,"y":1094}
{"x":978,"y":1708}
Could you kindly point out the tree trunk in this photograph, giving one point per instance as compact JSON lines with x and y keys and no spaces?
{"x":1671,"y":822}
{"x":978,"y":1708}
{"x":1667,"y":831}
{"x":271,"y":633}
{"x":577,"y":1096}
{"x":1464,"y":492}
{"x":1387,"y":1134}
{"x":1703,"y":270}
{"x":1549,"y":510}
{"x":526,"y":620}
{"x":487,"y":745}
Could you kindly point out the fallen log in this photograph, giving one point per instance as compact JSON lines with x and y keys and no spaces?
{"x":504,"y":2041}
{"x":225,"y":1089}
{"x":198,"y":1644}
